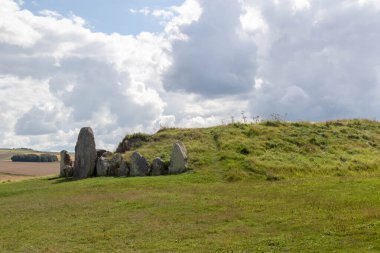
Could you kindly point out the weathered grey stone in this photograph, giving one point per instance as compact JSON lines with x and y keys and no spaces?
{"x":139,"y":166}
{"x":85,"y":154}
{"x":115,"y":164}
{"x":158,"y":167}
{"x":123,"y":169}
{"x":68,"y":171}
{"x":100,"y":152}
{"x":65,"y":161}
{"x":130,"y":142}
{"x":124,"y":146}
{"x":102,"y":167}
{"x":178,"y":159}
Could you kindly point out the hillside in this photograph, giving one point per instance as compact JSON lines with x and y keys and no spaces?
{"x":272,"y":149}
{"x":268,"y":187}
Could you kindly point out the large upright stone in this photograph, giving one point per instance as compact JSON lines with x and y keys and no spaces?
{"x":178,"y":159}
{"x":123,"y":169}
{"x":115,"y":164}
{"x":158,"y":167}
{"x":65,"y":163}
{"x":139,"y":166}
{"x":102,"y":166}
{"x":85,"y":154}
{"x":68,"y":171}
{"x":100,"y":152}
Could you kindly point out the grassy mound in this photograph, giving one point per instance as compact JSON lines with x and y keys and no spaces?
{"x":272,"y":149}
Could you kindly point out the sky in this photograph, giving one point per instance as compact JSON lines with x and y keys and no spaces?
{"x":130,"y":66}
{"x":115,"y":16}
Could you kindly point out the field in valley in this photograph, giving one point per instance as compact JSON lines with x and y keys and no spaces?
{"x":16,"y":171}
{"x":269,"y":187}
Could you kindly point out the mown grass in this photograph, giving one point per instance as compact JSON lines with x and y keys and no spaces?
{"x":190,"y":213}
{"x":270,"y":187}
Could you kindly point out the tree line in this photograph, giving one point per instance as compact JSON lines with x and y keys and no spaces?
{"x":43,"y":158}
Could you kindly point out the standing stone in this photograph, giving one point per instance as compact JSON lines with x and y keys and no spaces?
{"x":85,"y":154}
{"x":123,"y":169}
{"x":102,"y":167}
{"x":100,"y":152}
{"x":158,"y":167}
{"x":178,"y":159}
{"x":139,"y":165}
{"x":68,"y":171}
{"x":115,"y":164}
{"x":65,"y":161}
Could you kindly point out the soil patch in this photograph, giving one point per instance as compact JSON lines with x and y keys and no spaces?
{"x":25,"y":169}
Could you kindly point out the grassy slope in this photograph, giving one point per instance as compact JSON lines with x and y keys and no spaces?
{"x":327,"y":200}
{"x":276,"y":149}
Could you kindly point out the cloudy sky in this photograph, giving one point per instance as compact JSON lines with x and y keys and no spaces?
{"x":126,"y":66}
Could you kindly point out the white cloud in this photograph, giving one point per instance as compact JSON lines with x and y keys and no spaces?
{"x":62,"y":76}
{"x":328,"y":51}
{"x":14,"y":27}
{"x":215,"y":60}
{"x":309,"y":59}
{"x":145,"y":11}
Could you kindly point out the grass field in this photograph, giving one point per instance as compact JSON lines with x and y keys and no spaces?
{"x":270,"y":187}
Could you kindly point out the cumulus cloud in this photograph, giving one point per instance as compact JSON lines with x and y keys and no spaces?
{"x":36,"y":122}
{"x":320,"y":61}
{"x":307,"y":59}
{"x":214,"y":59}
{"x":75,"y":77}
{"x":311,"y":60}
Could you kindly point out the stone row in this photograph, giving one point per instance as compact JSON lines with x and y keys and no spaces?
{"x":90,"y":162}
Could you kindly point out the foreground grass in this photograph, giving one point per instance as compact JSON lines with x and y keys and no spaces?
{"x":190,"y":213}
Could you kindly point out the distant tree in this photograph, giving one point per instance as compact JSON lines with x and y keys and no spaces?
{"x":34,"y":158}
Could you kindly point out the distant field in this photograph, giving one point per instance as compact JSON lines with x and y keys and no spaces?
{"x":6,"y":154}
{"x":16,"y":171}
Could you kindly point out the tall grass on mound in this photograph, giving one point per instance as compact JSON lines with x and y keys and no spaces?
{"x":272,"y":149}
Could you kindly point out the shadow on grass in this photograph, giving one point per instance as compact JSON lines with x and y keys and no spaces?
{"x":52,"y":178}
{"x":59,"y":180}
{"x":64,"y":180}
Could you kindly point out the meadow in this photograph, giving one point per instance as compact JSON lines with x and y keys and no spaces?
{"x":268,"y":187}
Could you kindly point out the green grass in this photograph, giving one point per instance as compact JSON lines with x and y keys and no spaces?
{"x":274,"y":148}
{"x":189,"y":213}
{"x":271,"y":187}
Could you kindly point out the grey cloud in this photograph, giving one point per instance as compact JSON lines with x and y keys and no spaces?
{"x":215,"y":60}
{"x":36,"y":122}
{"x":317,"y":63}
{"x":97,"y":85}
{"x":330,"y":52}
